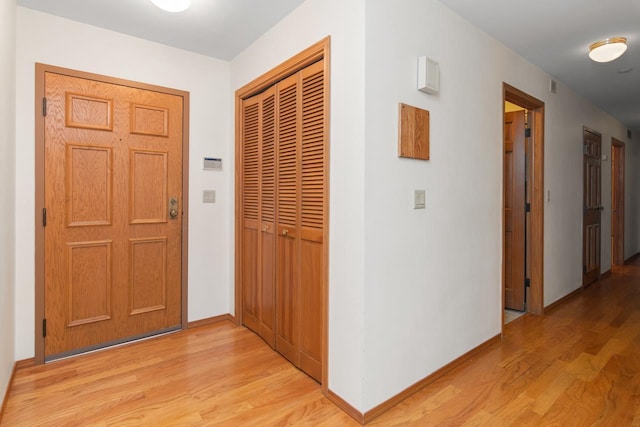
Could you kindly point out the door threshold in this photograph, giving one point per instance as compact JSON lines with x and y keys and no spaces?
{"x":511,"y":315}
{"x":112,"y":344}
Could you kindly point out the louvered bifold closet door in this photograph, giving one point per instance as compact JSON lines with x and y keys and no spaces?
{"x":288,"y":208}
{"x":267,"y":216}
{"x":258,"y":268}
{"x":285,"y":170}
{"x":312,"y":218}
{"x":251,"y":212}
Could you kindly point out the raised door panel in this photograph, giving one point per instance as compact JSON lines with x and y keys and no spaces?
{"x":88,"y":184}
{"x":89,"y":282}
{"x":148,"y":275}
{"x":287,"y":300}
{"x":89,"y":112}
{"x":311,"y":276}
{"x":149,"y":120}
{"x":250,"y":280}
{"x":148,"y":174}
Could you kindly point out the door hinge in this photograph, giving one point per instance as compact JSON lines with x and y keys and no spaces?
{"x":44,"y":217}
{"x":527,"y":282}
{"x":527,"y":133}
{"x":44,"y":107}
{"x":44,"y":328}
{"x":585,"y":149}
{"x":527,"y":207}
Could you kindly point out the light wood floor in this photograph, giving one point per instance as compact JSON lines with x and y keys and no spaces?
{"x":579,"y":365}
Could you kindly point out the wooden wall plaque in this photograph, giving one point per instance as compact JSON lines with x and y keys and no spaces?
{"x":413,"y":129}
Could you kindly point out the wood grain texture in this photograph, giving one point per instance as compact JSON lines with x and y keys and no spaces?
{"x":92,"y":112}
{"x":244,"y":246}
{"x":211,"y":321}
{"x":218,"y":374}
{"x":95,"y":171}
{"x":535,"y":303}
{"x":514,"y":210}
{"x":283,"y":185}
{"x":413,"y":130}
{"x":576,"y":365}
{"x":592,"y":204}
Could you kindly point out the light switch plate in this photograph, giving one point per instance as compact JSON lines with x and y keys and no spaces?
{"x":418,"y":199}
{"x":208,"y":196}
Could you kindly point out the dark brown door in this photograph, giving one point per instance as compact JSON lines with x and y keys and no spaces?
{"x":514,"y":210}
{"x":592,"y":206}
{"x":617,"y":202}
{"x":113,"y":165}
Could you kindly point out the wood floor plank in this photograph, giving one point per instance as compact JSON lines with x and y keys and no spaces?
{"x":577,"y":365}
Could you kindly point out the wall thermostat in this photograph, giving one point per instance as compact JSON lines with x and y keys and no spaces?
{"x":212,"y":163}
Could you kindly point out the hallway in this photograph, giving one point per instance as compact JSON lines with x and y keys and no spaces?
{"x":578,"y":365}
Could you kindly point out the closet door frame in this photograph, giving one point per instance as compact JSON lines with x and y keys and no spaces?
{"x":316,"y":52}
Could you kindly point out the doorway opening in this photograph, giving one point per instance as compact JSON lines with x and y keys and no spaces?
{"x":523,"y":204}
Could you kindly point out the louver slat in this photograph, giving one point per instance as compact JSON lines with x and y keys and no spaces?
{"x":287,"y":155}
{"x":251,"y":158}
{"x":268,"y":159}
{"x":312,"y":215}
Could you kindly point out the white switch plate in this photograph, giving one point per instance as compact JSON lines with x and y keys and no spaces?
{"x":208,"y":196}
{"x":418,"y":199}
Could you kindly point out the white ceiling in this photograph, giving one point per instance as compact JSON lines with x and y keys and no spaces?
{"x":553,"y":34}
{"x":218,"y":28}
{"x":556,"y":34}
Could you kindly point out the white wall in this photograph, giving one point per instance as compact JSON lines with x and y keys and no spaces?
{"x":632,"y":195}
{"x":433,"y":276}
{"x":409,"y":290}
{"x":7,"y":192}
{"x":344,"y":21}
{"x":51,"y":40}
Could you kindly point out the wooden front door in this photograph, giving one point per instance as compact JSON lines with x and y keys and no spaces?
{"x":592,"y":206}
{"x":113,"y":200}
{"x":514,"y":210}
{"x":617,"y":202}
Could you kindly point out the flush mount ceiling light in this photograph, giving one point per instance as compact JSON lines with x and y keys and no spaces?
{"x":607,"y":50}
{"x":172,"y":5}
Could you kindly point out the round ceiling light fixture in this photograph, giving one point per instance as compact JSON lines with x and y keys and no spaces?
{"x":172,"y":5}
{"x":607,"y":50}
